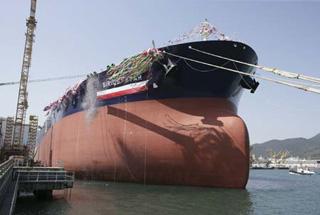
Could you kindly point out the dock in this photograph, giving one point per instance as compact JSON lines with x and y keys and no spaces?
{"x":38,"y":180}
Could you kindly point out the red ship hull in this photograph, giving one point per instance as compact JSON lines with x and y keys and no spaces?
{"x":180,"y":141}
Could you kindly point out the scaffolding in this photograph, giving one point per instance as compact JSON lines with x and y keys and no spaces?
{"x":32,"y":134}
{"x":8,"y":132}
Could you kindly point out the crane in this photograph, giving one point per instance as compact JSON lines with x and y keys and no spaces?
{"x":22,"y":103}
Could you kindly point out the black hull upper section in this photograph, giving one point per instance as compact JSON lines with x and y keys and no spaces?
{"x":185,"y":79}
{"x":195,"y":79}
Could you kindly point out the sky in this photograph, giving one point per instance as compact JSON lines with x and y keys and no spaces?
{"x":78,"y":37}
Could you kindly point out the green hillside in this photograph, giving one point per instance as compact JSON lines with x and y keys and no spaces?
{"x":302,"y":147}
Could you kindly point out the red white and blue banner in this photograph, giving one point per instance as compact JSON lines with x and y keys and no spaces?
{"x":122,"y":90}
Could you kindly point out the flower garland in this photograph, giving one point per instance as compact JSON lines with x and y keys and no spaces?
{"x":133,"y":67}
{"x":130,"y":67}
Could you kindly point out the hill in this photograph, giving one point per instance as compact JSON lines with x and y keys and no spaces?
{"x":302,"y":147}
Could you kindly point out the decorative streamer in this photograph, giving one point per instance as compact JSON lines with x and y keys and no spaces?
{"x":204,"y":31}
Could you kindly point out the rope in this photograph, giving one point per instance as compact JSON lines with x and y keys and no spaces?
{"x":44,"y":79}
{"x":145,"y":149}
{"x":201,"y":70}
{"x":268,"y":69}
{"x":299,"y":86}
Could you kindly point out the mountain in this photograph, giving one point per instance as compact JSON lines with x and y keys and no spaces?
{"x":302,"y":147}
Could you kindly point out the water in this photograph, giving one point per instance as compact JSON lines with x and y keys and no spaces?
{"x":268,"y":192}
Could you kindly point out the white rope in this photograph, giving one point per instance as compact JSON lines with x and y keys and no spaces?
{"x":201,"y":70}
{"x":268,"y":69}
{"x":44,"y":79}
{"x":299,"y":86}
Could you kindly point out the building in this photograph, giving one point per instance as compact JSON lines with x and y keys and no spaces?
{"x":7,"y":126}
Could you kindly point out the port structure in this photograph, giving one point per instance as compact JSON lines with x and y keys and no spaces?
{"x":27,"y":149}
{"x":22,"y":103}
{"x":39,"y":180}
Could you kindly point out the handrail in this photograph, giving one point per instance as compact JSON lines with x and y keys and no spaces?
{"x":13,"y":202}
{"x":4,"y":163}
{"x":45,"y":176}
{"x":5,"y":166}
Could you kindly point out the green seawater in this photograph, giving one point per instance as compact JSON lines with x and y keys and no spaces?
{"x":268,"y":192}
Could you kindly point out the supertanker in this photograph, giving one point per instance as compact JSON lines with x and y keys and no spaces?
{"x":165,"y":116}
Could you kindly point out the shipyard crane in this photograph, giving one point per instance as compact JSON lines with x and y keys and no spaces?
{"x":22,"y":103}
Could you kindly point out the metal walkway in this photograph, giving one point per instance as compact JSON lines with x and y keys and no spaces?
{"x":7,"y":187}
{"x":42,"y":178}
{"x":39,"y":180}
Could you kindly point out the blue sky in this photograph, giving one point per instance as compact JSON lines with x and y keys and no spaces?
{"x":78,"y":36}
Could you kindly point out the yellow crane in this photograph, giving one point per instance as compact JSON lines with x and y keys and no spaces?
{"x":22,"y":103}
